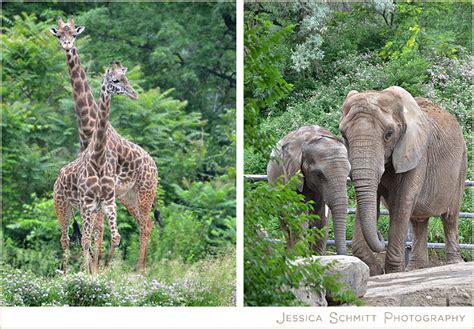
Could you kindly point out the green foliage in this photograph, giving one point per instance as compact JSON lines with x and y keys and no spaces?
{"x":270,"y":270}
{"x":264,"y":83}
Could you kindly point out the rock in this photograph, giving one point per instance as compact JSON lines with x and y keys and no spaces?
{"x":448,"y":285}
{"x":350,"y":270}
{"x":311,"y":297}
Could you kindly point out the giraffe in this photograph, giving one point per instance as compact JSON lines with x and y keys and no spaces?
{"x":135,"y":174}
{"x":88,"y":182}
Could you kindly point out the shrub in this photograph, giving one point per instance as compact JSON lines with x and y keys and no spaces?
{"x":270,"y":269}
{"x":83,"y":290}
{"x":210,"y":282}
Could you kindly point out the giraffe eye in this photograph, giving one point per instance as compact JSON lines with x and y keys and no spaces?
{"x":115,"y":81}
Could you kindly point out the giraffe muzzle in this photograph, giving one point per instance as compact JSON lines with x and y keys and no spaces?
{"x":132,"y":94}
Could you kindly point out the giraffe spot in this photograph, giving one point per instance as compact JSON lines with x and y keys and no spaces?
{"x":83,"y":75}
{"x":90,"y":100}
{"x":74,"y":74}
{"x":78,"y":85}
{"x":84,"y":122}
{"x":92,"y":181}
{"x":80,"y":103}
{"x":74,"y":52}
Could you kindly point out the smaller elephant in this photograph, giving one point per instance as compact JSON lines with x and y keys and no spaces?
{"x":322,"y":159}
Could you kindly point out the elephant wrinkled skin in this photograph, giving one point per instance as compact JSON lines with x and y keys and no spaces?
{"x":411,"y":154}
{"x":322,"y":159}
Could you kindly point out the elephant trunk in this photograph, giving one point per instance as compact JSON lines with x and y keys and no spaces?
{"x":338,"y":205}
{"x":367,"y":169}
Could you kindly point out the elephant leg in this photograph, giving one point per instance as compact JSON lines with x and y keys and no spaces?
{"x":319,"y":245}
{"x":361,"y":250}
{"x":291,"y":237}
{"x":419,"y":254}
{"x":397,"y":235}
{"x":450,"y":226}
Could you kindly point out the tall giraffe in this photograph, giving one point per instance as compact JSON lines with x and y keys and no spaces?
{"x":88,"y":183}
{"x":136,"y":175}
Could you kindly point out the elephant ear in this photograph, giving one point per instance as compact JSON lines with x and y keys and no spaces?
{"x":292,"y":155}
{"x":412,"y":144}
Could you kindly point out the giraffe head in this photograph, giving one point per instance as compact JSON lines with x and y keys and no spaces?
{"x":117,"y":83}
{"x":66,"y":33}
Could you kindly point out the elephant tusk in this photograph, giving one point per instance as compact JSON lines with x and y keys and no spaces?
{"x":326,"y":210}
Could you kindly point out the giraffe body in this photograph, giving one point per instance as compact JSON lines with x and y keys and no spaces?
{"x":131,"y":168}
{"x":88,"y":183}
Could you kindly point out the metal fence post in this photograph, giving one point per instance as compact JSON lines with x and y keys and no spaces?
{"x":408,"y":244}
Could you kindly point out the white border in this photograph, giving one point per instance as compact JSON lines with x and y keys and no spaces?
{"x":240,"y":152}
{"x":230,"y":317}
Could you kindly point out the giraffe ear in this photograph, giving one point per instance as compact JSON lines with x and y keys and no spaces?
{"x":78,"y":30}
{"x":53,"y":31}
{"x":124,"y":70}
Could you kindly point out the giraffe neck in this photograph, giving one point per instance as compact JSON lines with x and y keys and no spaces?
{"x":99,"y":140}
{"x":85,"y":106}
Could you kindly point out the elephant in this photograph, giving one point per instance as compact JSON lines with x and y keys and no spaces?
{"x":410,"y":154}
{"x":322,"y":159}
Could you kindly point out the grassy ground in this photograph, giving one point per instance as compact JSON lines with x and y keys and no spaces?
{"x":210,"y":282}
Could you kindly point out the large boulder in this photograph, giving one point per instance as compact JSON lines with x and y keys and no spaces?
{"x":448,"y":285}
{"x":350,"y":270}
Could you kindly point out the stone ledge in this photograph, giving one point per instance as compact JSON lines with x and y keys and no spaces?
{"x":448,"y":285}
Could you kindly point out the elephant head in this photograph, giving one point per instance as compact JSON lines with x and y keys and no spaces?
{"x":381,"y":129}
{"x":323,"y":161}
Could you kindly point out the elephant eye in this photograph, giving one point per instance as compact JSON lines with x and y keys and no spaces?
{"x":388,"y":135}
{"x":319,"y":174}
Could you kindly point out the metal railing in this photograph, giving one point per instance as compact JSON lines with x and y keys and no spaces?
{"x":384,"y":212}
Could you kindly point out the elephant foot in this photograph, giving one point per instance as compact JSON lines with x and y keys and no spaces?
{"x":393,"y":268}
{"x":416,"y":266}
{"x":375,"y":269}
{"x":454,"y":259}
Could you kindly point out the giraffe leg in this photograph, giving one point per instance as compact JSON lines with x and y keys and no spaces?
{"x":87,"y":218}
{"x":130,"y":202}
{"x":98,"y":238}
{"x":145,"y":202}
{"x":111,"y":211}
{"x":63,"y":213}
{"x":138,"y":209}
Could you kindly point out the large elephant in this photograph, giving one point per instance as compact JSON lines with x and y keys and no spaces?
{"x":322,"y":159}
{"x":412,"y":154}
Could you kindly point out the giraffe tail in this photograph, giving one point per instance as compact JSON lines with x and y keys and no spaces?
{"x":76,"y":236}
{"x":158,"y":219}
